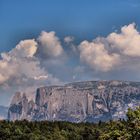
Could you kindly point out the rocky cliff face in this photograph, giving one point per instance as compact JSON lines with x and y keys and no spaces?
{"x":82,"y":101}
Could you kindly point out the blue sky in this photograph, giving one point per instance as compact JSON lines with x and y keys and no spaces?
{"x":34,"y":58}
{"x":81,"y":18}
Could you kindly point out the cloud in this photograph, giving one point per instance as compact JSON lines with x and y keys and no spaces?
{"x":68,"y":39}
{"x":25,"y":48}
{"x":116,"y":51}
{"x":21,"y":70}
{"x":50,"y":45}
{"x":20,"y":61}
{"x":37,"y":60}
{"x":6,"y":70}
{"x":97,"y":57}
{"x":127,"y":42}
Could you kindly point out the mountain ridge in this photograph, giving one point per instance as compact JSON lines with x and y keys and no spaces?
{"x":79,"y":101}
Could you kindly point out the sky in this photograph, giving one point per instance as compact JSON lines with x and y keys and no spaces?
{"x":47,"y":42}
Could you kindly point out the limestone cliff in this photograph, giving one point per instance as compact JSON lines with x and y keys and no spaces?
{"x":81,"y":101}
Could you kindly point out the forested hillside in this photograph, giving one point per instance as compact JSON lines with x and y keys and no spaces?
{"x":112,"y":130}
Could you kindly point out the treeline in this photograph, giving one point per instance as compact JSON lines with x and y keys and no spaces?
{"x":113,"y":130}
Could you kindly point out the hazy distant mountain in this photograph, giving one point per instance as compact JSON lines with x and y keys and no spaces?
{"x":3,"y":112}
{"x":81,"y":101}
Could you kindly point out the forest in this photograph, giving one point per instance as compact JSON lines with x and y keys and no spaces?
{"x":122,"y":129}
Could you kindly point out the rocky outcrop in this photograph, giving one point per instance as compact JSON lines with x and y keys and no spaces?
{"x":82,"y":101}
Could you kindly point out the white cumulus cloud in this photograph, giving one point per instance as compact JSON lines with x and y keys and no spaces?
{"x":97,"y":57}
{"x":115,"y":51}
{"x":25,"y":48}
{"x":20,"y":69}
{"x":127,"y":42}
{"x":50,"y":45}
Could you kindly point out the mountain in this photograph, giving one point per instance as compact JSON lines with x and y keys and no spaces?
{"x":75,"y":102}
{"x":3,"y":112}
